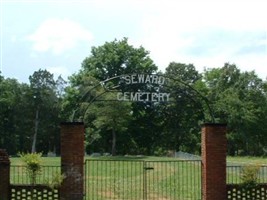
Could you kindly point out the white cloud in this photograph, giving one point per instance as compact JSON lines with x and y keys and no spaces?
{"x":205,"y":33}
{"x":58,"y":35}
{"x":14,"y":38}
{"x":215,"y":30}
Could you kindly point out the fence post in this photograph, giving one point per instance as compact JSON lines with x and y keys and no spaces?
{"x":5,"y":175}
{"x":213,"y":147}
{"x":72,"y":160}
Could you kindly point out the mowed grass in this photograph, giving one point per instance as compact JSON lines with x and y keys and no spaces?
{"x":140,"y":177}
{"x":18,"y":171}
{"x":135,"y":177}
{"x":46,"y":161}
{"x":236,"y":165}
{"x":143,"y":178}
{"x":55,"y":161}
{"x":247,"y":160}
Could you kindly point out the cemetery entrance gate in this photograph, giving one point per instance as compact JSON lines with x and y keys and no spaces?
{"x":133,"y":179}
{"x":139,"y":179}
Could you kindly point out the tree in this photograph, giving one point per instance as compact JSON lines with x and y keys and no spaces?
{"x":184,"y":72}
{"x":116,"y":58}
{"x":109,"y":60}
{"x":238,"y":100}
{"x":106,"y":115}
{"x":183,"y":115}
{"x":9,"y":100}
{"x":43,"y":89}
{"x":114,"y":117}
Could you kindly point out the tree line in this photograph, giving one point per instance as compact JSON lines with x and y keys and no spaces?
{"x":30,"y":114}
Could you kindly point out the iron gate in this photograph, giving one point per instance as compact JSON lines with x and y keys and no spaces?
{"x":142,"y":180}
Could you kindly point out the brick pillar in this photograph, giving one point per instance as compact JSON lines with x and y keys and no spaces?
{"x":5,"y":175}
{"x":72,"y":160}
{"x":213,"y":149}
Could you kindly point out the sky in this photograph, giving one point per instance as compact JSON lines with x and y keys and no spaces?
{"x":58,"y":35}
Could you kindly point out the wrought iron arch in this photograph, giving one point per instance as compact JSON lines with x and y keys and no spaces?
{"x":119,"y":80}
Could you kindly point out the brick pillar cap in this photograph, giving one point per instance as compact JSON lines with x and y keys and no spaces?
{"x":71,"y":123}
{"x":214,"y":124}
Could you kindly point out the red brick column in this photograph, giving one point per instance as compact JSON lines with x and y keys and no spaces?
{"x":213,"y":161}
{"x":72,"y":160}
{"x":5,"y":175}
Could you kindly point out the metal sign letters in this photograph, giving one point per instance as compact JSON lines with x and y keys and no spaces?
{"x":154,"y":80}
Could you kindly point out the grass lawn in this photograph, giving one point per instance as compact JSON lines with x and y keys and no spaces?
{"x":142,"y":178}
{"x":137,"y":177}
{"x":134,"y":177}
{"x":55,"y":161}
{"x":247,"y":160}
{"x":46,"y":161}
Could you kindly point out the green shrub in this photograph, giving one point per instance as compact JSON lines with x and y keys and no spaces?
{"x":249,"y":176}
{"x":56,"y":181}
{"x":33,"y":165}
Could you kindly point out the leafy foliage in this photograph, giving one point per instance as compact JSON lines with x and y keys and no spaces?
{"x":56,"y":180}
{"x":238,"y":100}
{"x":30,"y":114}
{"x":33,"y":165}
{"x":250,"y":176}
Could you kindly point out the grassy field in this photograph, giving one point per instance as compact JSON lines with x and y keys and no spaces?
{"x":46,"y":161}
{"x":139,"y":177}
{"x":234,"y":171}
{"x":132,"y":177}
{"x":55,"y":161}
{"x":248,"y":160}
{"x":144,"y":178}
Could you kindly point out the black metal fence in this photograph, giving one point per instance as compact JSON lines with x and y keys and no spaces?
{"x":234,"y":173}
{"x":142,"y":180}
{"x":19,"y":175}
{"x":138,"y":179}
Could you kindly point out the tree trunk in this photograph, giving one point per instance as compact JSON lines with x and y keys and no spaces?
{"x":113,"y":142}
{"x":35,"y":131}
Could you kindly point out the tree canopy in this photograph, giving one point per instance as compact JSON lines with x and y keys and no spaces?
{"x":30,"y":114}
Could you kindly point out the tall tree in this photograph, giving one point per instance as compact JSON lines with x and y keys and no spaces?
{"x":238,"y":99}
{"x":182,"y":116}
{"x":43,"y":89}
{"x":109,"y":60}
{"x":9,"y":99}
{"x":116,"y":58}
{"x":113,"y":117}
